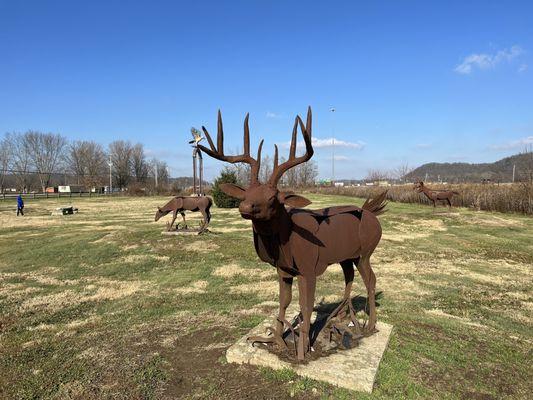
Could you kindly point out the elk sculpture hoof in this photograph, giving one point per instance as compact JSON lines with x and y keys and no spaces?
{"x":274,"y":336}
{"x":343,"y":321}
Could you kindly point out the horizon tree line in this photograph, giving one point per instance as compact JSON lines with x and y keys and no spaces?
{"x":36,"y":159}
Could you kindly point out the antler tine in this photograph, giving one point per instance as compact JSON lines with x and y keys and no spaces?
{"x":220,"y":134}
{"x":218,"y":152}
{"x":275,"y":156}
{"x":309,"y":122}
{"x":292,"y":152}
{"x":293,"y":160}
{"x":211,"y":144}
{"x":254,"y":173}
{"x":246,"y":136}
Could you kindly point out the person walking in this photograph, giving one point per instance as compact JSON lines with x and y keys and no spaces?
{"x":20,"y":205}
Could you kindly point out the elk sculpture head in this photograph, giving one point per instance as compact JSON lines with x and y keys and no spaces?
{"x":160,"y":213}
{"x":418,"y":186}
{"x":262,"y":201}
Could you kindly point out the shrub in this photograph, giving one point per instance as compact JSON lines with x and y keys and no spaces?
{"x":221,"y":199}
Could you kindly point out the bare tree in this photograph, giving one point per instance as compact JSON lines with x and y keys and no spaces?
{"x":266,"y":168}
{"x":74,"y":159}
{"x":87,"y":159}
{"x":401,"y":171}
{"x":139,"y":165}
{"x":159,"y":171}
{"x":46,"y":152}
{"x":291,"y":177}
{"x":121,"y":160}
{"x":526,"y":173}
{"x":20,"y":155}
{"x":374,"y":175}
{"x":5,"y":160}
{"x":307,"y":173}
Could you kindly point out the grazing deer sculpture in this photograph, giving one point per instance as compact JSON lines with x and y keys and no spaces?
{"x":180,"y":204}
{"x":435,"y":195}
{"x":303,"y":243}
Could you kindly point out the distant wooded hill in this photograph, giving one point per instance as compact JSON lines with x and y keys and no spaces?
{"x":499,"y":171}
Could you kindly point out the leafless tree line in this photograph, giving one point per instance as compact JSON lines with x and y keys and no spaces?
{"x":45,"y":155}
{"x":395,"y":174}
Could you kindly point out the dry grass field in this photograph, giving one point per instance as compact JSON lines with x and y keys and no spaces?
{"x":101,"y":305}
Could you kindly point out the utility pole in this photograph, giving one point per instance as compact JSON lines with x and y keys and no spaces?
{"x":332,"y":110}
{"x":110,"y":176}
{"x":514,"y":168}
{"x":155,"y":174}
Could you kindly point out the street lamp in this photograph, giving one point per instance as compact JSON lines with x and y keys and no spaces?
{"x":110,"y":176}
{"x":332,"y":110}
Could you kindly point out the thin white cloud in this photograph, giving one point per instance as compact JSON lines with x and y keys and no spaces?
{"x":271,"y":114}
{"x":514,"y":144}
{"x":522,"y":68}
{"x":423,"y":146}
{"x":328,"y":142}
{"x":341,"y":158}
{"x":485,"y":61}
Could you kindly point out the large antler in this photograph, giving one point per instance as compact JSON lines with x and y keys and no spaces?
{"x":293,"y":161}
{"x":218,"y":152}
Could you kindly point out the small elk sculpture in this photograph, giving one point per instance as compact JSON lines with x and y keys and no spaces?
{"x":303,"y":243}
{"x":180,"y":204}
{"x":435,"y":195}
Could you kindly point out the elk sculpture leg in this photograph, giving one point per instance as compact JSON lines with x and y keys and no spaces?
{"x":276,"y":333}
{"x":346,"y":306}
{"x":184,"y":222}
{"x":174,"y":216}
{"x":306,"y":289}
{"x":369,"y":280}
{"x":206,"y":220}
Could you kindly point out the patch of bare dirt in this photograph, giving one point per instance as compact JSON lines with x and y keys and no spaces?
{"x":204,"y":351}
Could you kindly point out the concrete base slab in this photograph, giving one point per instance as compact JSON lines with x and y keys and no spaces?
{"x":353,"y":369}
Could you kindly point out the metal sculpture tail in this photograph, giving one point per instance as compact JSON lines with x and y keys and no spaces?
{"x":376,"y":206}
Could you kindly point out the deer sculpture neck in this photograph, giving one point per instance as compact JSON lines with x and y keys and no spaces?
{"x":274,"y":226}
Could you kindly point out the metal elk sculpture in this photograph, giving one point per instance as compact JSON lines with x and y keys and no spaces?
{"x":303,"y":243}
{"x":435,"y":195}
{"x":180,"y":204}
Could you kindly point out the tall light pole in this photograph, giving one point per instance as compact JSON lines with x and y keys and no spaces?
{"x":332,"y":110}
{"x":110,"y":176}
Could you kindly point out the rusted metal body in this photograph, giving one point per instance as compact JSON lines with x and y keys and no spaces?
{"x":180,"y":204}
{"x":435,"y":195}
{"x":303,"y":243}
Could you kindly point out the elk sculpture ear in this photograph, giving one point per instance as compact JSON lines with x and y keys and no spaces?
{"x":293,"y":200}
{"x":233,"y":190}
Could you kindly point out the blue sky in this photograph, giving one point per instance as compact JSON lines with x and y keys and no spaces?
{"x":410,"y":81}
